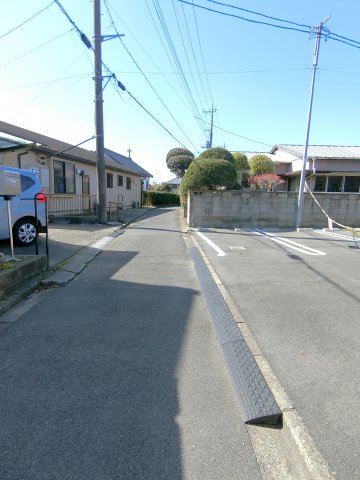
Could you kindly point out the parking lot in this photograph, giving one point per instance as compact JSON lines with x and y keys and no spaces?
{"x":299,"y":293}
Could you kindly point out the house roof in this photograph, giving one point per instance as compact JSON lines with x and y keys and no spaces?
{"x":320,"y":151}
{"x":174,"y":181}
{"x":126,"y":163}
{"x":17,"y":137}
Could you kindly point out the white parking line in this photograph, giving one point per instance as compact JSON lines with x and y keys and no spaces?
{"x":212,"y":244}
{"x":335,"y":235}
{"x":289,"y":243}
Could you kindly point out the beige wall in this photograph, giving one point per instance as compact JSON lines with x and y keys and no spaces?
{"x":44,"y":168}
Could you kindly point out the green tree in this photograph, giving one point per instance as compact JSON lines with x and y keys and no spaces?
{"x":178,"y":160}
{"x":241,"y":161}
{"x":217,"y":153}
{"x":209,"y":174}
{"x":261,"y":164}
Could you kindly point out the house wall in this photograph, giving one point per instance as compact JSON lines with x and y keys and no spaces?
{"x":269,"y":209}
{"x":44,"y":168}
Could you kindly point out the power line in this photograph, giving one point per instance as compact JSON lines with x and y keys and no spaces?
{"x":202,"y":55}
{"x":173,"y":51}
{"x":36,"y":48}
{"x":328,"y":34}
{"x":26,"y":21}
{"x":151,"y":58}
{"x":244,"y":18}
{"x":240,"y":136}
{"x":261,"y":14}
{"x":119,"y":86}
{"x":192,"y":51}
{"x":143,"y":74}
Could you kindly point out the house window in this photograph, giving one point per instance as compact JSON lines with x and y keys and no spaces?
{"x":109,"y":180}
{"x":335,"y":184}
{"x":320,"y":184}
{"x":128,"y":183}
{"x":64,"y":177}
{"x":352,"y":184}
{"x":120,"y":180}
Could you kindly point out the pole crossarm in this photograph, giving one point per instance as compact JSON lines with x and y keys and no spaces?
{"x":105,"y":38}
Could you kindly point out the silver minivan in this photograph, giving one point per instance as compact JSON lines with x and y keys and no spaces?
{"x":23,"y":209}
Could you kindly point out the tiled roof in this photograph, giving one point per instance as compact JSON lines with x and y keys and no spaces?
{"x":112,"y":159}
{"x":126,"y":163}
{"x":321,"y":151}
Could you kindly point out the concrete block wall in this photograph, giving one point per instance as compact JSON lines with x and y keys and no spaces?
{"x":269,"y":209}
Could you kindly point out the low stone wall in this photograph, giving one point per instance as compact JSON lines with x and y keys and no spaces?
{"x":270,"y":209}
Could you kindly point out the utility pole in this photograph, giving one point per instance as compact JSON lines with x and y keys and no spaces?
{"x":99,"y":116}
{"x":209,"y":144}
{"x":129,"y":152}
{"x":318,"y":31}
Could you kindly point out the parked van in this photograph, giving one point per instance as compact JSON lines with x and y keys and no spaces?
{"x":22,"y":208}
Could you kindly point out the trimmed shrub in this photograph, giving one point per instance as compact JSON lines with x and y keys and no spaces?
{"x":152,"y":198}
{"x":241,"y":161}
{"x":217,"y":153}
{"x":261,"y":164}
{"x":178,"y":160}
{"x":209,"y":174}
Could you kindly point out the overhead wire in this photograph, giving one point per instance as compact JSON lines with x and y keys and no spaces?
{"x":26,"y":21}
{"x":241,"y":136}
{"x":243,"y":18}
{"x":151,"y":58}
{"x":260,"y":14}
{"x":119,"y":86}
{"x":173,"y":51}
{"x":35,"y":49}
{"x":329,"y":35}
{"x":185,"y":50}
{"x":194,"y":56}
{"x":202,"y":55}
{"x":144,"y":75}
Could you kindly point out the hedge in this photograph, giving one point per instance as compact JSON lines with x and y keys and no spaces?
{"x":152,"y":198}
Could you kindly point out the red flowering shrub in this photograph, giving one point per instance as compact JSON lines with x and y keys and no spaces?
{"x":265,"y":181}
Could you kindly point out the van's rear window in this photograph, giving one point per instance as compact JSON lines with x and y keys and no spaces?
{"x":26,"y":182}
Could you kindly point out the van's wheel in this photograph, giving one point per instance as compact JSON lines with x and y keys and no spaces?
{"x":24,"y":232}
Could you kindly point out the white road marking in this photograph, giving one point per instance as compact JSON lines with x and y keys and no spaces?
{"x":100,"y":244}
{"x":212,"y":244}
{"x":236,"y":247}
{"x":289,"y":243}
{"x":335,"y":235}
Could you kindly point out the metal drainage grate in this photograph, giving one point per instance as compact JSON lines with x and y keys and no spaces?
{"x":256,"y":402}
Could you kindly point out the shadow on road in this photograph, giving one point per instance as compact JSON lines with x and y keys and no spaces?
{"x":88,"y":386}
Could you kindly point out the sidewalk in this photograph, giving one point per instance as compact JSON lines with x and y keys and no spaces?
{"x":71,"y":248}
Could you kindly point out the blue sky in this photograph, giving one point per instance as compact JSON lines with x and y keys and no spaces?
{"x":258,"y":77}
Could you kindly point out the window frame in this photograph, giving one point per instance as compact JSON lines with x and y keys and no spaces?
{"x":64,"y":183}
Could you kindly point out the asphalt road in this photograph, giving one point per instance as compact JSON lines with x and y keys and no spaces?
{"x":299,"y":293}
{"x":118,"y":375}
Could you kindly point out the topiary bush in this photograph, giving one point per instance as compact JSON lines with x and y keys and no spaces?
{"x":153,"y":198}
{"x":178,"y":160}
{"x":241,"y":161}
{"x":261,"y":164}
{"x":209,"y":174}
{"x":218,"y":153}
